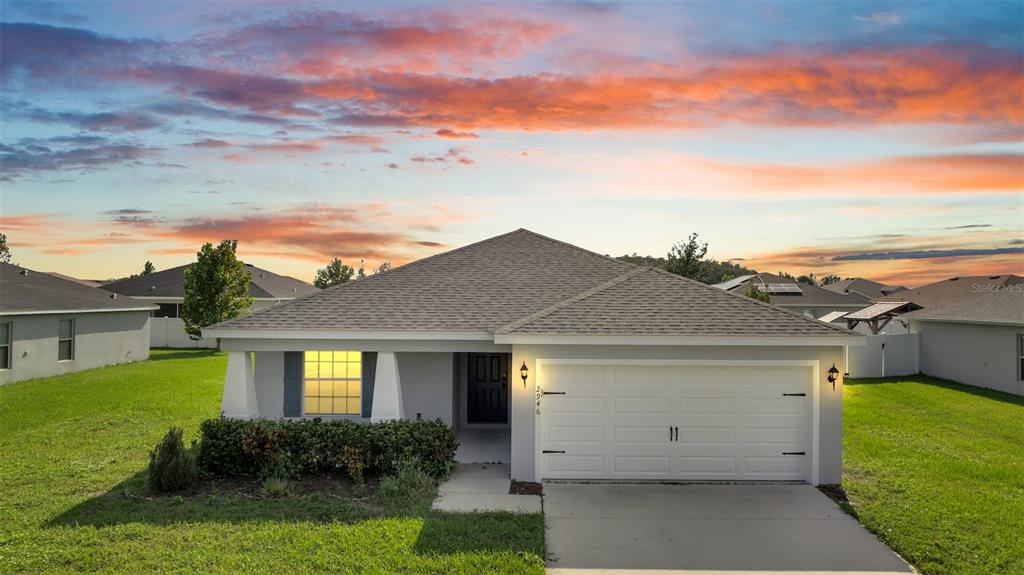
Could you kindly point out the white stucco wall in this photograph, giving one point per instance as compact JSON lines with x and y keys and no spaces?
{"x":427,"y":385}
{"x":831,"y":416}
{"x":101,"y":338}
{"x":973,"y":354}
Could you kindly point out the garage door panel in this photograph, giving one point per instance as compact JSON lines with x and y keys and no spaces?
{"x":556,"y":376}
{"x":641,"y":405}
{"x":704,"y":406}
{"x":707,"y":467}
{"x":734,"y":423}
{"x":563,"y":404}
{"x":707,"y":435}
{"x":642,"y":464}
{"x":576,"y":434}
{"x":647,"y":434}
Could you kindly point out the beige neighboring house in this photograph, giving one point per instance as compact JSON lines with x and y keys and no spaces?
{"x":52,"y":326}
{"x":166,"y":289}
{"x":976,"y":340}
{"x":565,"y":363}
{"x":811,"y":301}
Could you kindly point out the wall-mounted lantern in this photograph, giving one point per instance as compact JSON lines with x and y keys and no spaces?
{"x":833,"y":375}
{"x":524,"y":372}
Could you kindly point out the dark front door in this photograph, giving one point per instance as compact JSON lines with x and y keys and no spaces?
{"x":488,"y":388}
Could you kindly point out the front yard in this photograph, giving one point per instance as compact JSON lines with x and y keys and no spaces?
{"x":73,"y":452}
{"x":936,"y":471}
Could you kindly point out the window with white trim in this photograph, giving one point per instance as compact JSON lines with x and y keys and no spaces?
{"x":333,"y":382}
{"x":66,"y":340}
{"x":5,"y":345}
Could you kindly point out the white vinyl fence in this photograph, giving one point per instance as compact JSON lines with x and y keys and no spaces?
{"x":885,"y":355}
{"x":170,"y":332}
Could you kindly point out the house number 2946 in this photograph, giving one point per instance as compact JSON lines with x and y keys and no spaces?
{"x":540,"y":392}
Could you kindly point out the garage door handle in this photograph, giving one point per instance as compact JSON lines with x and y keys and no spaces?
{"x":552,"y":393}
{"x":794,"y":395}
{"x":794,"y":453}
{"x":551,"y":451}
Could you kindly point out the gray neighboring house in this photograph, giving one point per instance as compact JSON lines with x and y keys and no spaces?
{"x":52,"y":326}
{"x":560,"y":361}
{"x":811,"y":301}
{"x":975,"y":340}
{"x":166,"y":289}
{"x":872,"y":290}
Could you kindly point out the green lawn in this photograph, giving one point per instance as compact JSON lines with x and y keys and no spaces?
{"x":73,"y":451}
{"x":936,"y":470}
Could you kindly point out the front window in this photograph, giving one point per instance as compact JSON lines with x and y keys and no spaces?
{"x":66,"y":340}
{"x":334,"y":382}
{"x":5,"y":345}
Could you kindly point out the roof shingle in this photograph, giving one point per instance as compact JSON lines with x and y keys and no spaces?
{"x":23,"y":290}
{"x":171,"y":283}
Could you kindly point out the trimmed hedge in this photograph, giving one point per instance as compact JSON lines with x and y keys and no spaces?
{"x":232,"y":448}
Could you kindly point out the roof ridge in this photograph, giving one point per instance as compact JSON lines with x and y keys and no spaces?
{"x":578,"y":248}
{"x":841,"y":330}
{"x":509,"y":327}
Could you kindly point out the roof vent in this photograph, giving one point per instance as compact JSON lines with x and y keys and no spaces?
{"x":993,"y":277}
{"x":23,"y":272}
{"x":954,"y":279}
{"x":113,"y":296}
{"x":152,"y":288}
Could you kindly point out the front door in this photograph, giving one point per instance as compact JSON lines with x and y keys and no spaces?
{"x":488,"y":388}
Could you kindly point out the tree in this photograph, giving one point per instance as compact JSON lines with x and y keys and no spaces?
{"x":382,"y":268}
{"x":829,"y":279}
{"x":786,"y":275}
{"x":5,"y":252}
{"x":687,"y":259}
{"x":148,"y":268}
{"x":808,"y":279}
{"x":216,"y":288}
{"x":335,"y":273}
{"x":754,"y":291}
{"x":361,"y":272}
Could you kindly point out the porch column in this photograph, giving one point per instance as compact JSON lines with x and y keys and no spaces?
{"x":387,"y":389}
{"x":239,"y":401}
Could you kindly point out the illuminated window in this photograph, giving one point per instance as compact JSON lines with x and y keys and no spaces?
{"x":334,"y":382}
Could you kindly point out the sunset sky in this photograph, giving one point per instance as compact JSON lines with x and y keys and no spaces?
{"x":874,"y":139}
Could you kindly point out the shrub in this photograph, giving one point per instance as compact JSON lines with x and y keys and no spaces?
{"x":171,"y":466}
{"x":230,"y":447}
{"x":408,"y":483}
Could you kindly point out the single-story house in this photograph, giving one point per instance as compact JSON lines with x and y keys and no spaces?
{"x":52,"y":326}
{"x":955,"y":289}
{"x":872,"y":290}
{"x":166,"y":289}
{"x":811,"y":301}
{"x":976,"y":340}
{"x":565,"y":363}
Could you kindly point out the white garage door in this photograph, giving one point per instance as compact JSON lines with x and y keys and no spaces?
{"x":639,"y":421}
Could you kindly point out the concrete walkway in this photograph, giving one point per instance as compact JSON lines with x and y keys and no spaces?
{"x":482,"y":487}
{"x":662,"y":529}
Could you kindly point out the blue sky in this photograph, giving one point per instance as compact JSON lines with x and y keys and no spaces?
{"x":870,"y":139}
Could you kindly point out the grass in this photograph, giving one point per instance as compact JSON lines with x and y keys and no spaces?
{"x":73,"y":453}
{"x":936,"y":470}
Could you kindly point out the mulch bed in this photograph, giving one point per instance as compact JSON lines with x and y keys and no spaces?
{"x":525,"y":488}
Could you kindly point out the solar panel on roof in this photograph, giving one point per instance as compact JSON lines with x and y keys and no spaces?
{"x":784,"y":288}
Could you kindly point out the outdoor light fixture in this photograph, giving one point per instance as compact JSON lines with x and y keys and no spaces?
{"x":524,"y":372}
{"x":833,"y":375}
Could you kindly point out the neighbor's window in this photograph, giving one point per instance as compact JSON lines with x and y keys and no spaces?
{"x":5,"y":345}
{"x":334,"y":382}
{"x":66,"y":340}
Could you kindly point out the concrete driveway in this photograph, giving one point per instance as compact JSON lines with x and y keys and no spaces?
{"x":701,"y":527}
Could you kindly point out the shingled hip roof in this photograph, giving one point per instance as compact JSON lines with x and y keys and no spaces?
{"x":525,"y":283}
{"x":170,"y":283}
{"x":24,"y":291}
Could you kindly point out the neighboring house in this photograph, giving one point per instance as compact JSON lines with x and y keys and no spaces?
{"x":811,"y":301}
{"x":565,"y":363}
{"x":955,"y":289}
{"x":976,"y":340}
{"x":88,"y":283}
{"x":871,"y":290}
{"x":51,"y":326}
{"x":166,"y":289}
